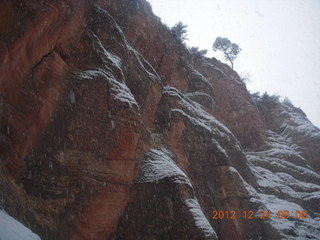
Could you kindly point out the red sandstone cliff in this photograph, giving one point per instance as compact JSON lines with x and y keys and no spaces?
{"x":111,"y":130}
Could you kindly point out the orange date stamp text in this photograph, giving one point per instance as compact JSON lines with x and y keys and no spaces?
{"x":282,"y":214}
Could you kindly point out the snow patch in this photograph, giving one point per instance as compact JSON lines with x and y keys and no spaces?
{"x":199,"y":218}
{"x":291,"y":228}
{"x":202,"y":118}
{"x":251,"y":191}
{"x":119,"y":90}
{"x":298,"y":123}
{"x":159,"y":165}
{"x":11,"y":229}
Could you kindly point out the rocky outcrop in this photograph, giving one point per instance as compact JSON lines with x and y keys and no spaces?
{"x":72,"y":127}
{"x":214,"y":84}
{"x":111,"y":129}
{"x":179,"y":180}
{"x":287,"y":183}
{"x":291,"y":123}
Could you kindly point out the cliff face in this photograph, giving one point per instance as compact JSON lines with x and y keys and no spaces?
{"x":111,"y":129}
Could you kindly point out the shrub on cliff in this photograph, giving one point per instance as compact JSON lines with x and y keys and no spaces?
{"x":198,"y":53}
{"x":245,"y":77}
{"x":267,"y":105}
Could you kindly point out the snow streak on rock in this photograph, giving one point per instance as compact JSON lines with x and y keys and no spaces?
{"x":120,"y":91}
{"x":108,"y":57}
{"x":159,"y":165}
{"x":199,"y":218}
{"x":197,"y":115}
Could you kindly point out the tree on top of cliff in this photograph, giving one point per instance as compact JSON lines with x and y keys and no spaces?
{"x":229,"y":49}
{"x":179,"y":30}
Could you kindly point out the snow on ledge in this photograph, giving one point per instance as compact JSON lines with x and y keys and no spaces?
{"x":11,"y":229}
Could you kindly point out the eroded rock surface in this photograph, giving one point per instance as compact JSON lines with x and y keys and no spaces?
{"x":111,"y":129}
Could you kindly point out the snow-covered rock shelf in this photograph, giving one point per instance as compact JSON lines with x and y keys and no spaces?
{"x":287,"y":183}
{"x":11,"y":229}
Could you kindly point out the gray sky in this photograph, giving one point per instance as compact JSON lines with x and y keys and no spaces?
{"x":280,"y":41}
